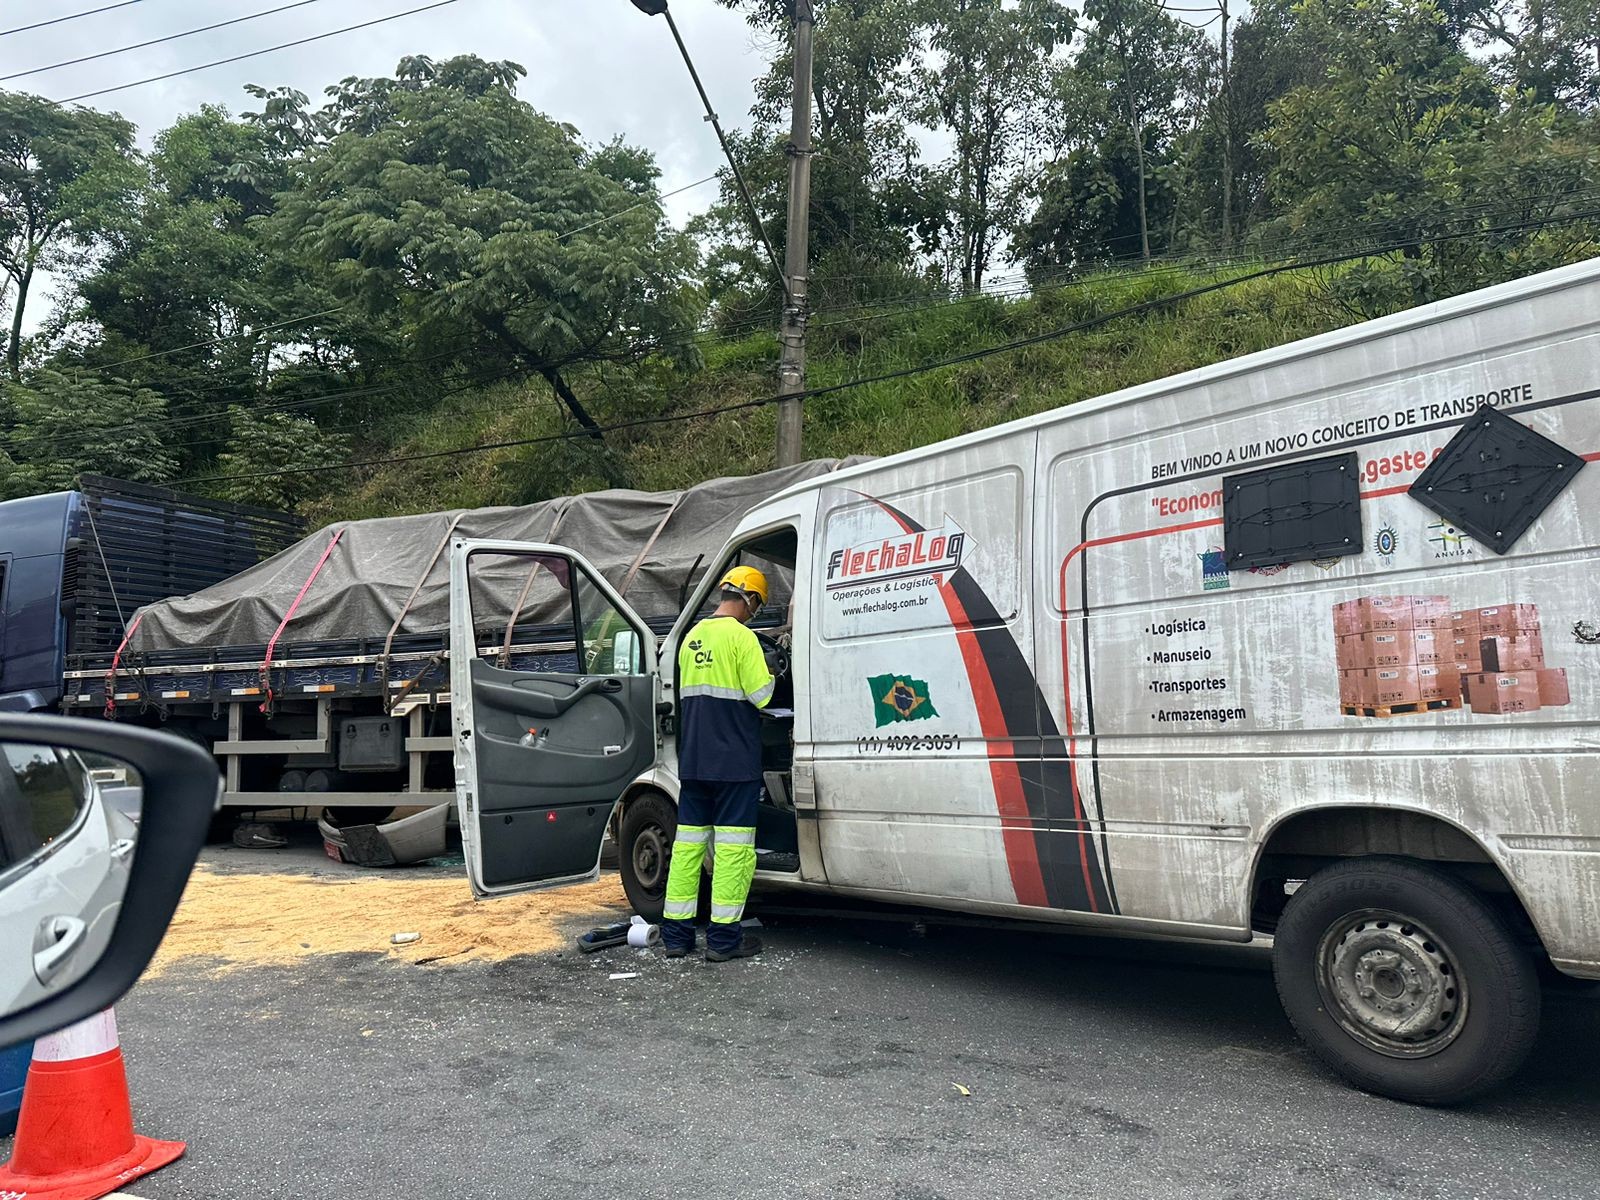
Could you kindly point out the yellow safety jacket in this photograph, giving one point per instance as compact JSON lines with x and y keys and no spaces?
{"x":722,"y":681}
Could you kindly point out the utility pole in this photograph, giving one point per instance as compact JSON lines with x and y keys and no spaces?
{"x":1227,"y":139}
{"x":797,"y":267}
{"x":795,"y":272}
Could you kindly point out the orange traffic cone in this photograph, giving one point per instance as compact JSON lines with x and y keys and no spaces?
{"x":75,"y":1138}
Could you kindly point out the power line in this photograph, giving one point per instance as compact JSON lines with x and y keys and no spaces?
{"x":651,"y":200}
{"x":171,"y":37}
{"x":1179,"y":265}
{"x":217,"y":341}
{"x":317,"y":37}
{"x":70,"y":17}
{"x":906,"y":372}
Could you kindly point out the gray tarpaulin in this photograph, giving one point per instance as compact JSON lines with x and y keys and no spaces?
{"x":377,"y":563}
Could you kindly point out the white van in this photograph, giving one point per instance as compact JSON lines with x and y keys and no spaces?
{"x":1306,"y":643}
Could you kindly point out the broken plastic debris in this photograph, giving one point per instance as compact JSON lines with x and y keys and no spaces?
{"x":965,"y":1091}
{"x":401,"y":939}
{"x":625,"y":975}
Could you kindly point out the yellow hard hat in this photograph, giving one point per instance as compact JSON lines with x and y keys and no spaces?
{"x":747,"y":580}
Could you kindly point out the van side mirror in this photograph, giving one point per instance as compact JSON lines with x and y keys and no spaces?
{"x":99,"y":827}
{"x":625,"y":653}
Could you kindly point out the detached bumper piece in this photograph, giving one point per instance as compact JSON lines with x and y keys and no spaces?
{"x":391,"y":844}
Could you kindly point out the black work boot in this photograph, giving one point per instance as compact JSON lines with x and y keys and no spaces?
{"x":749,"y":946}
{"x":678,"y":936}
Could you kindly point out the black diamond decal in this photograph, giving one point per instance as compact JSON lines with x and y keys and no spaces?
{"x":1495,"y":477}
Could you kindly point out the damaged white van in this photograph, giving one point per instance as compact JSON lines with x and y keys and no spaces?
{"x":1305,"y":643}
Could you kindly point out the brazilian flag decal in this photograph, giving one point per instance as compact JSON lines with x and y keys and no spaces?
{"x":900,"y":698}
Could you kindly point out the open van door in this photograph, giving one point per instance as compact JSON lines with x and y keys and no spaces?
{"x":553,"y":699}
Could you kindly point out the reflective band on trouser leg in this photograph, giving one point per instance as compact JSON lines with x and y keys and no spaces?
{"x":730,"y":883}
{"x":683,"y":885}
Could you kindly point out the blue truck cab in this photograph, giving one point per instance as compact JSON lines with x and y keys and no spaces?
{"x":39,"y":537}
{"x":75,"y":567}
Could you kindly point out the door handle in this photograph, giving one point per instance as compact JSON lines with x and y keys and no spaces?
{"x":55,"y":943}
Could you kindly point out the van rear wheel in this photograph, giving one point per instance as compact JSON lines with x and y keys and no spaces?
{"x":1404,"y":981}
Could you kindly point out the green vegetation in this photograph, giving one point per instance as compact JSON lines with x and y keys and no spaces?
{"x":422,"y":292}
{"x":878,"y":419}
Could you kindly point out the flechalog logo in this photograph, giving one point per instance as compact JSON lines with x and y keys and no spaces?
{"x":928,"y":552}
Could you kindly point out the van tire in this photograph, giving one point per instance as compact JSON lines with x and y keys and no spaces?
{"x":644,"y":851}
{"x":1372,"y":942}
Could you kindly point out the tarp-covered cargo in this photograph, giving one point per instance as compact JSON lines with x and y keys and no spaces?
{"x":645,"y":543}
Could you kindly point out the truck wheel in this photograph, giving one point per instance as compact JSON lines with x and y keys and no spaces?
{"x":1404,"y":981}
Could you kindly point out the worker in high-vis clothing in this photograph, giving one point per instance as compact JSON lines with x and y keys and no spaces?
{"x":722,"y":681}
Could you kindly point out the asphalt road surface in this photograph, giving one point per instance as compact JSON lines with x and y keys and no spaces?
{"x":1086,"y":1066}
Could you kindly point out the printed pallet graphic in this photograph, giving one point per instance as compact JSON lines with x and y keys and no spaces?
{"x":1400,"y":710}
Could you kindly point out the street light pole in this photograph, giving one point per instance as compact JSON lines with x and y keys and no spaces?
{"x":797,"y":269}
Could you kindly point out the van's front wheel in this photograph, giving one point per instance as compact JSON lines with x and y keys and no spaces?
{"x":644,"y":852}
{"x":1404,"y":981}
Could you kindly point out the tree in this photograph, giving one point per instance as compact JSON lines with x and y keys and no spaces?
{"x":1088,"y":212}
{"x":486,"y":230}
{"x":871,"y":200}
{"x":1108,"y":191}
{"x":1267,"y":58}
{"x":1406,"y":140}
{"x":180,"y":265}
{"x":1374,"y":144}
{"x":1550,"y":48}
{"x":1140,"y":53}
{"x":63,"y":173}
{"x":66,"y":423}
{"x":262,"y":441}
{"x":986,"y":82}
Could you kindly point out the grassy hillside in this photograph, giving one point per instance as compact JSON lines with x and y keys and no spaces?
{"x":878,"y":419}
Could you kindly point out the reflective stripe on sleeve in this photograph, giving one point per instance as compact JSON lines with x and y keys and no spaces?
{"x":761,"y":695}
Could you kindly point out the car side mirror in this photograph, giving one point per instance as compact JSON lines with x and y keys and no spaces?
{"x":100,"y":826}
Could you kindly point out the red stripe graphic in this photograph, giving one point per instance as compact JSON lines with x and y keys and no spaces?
{"x":1016,"y":823}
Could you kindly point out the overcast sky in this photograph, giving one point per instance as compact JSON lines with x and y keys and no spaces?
{"x":599,"y":64}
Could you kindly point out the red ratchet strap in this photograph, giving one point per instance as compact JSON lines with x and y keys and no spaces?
{"x":266,"y":664}
{"x":116,"y":659}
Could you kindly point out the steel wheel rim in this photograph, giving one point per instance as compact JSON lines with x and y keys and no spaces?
{"x":1391,"y":984}
{"x":650,"y":857}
